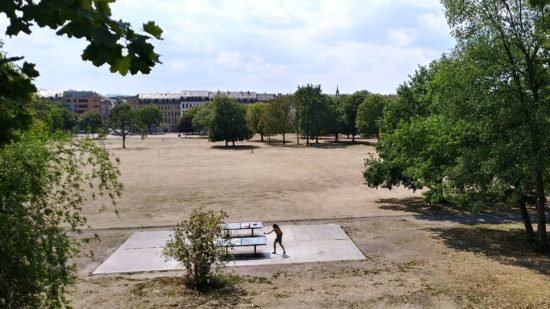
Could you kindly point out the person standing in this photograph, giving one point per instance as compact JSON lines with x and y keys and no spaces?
{"x":278,"y":239}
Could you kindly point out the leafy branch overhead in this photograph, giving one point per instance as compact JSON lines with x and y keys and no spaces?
{"x":111,"y":42}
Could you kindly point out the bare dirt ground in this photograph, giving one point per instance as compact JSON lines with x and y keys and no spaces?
{"x":417,"y":257}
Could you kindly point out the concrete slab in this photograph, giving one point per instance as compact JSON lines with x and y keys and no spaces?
{"x":142,"y":251}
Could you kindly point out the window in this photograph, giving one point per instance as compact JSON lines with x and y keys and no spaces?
{"x":82,"y":100}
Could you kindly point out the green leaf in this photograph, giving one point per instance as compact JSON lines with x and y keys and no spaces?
{"x":154,"y":30}
{"x":28,"y":69}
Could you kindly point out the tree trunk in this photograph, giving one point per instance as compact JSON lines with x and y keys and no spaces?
{"x":233,"y":142}
{"x":284,"y":142}
{"x":297,"y":138}
{"x":123,"y":141}
{"x":316,"y":139}
{"x":269,"y":139}
{"x":307,"y":139}
{"x":541,"y":213}
{"x":336,"y":137}
{"x":226,"y":143}
{"x":353,"y":138}
{"x":526,"y":220}
{"x":261,"y":137}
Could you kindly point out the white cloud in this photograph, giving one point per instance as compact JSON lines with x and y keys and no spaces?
{"x":436,"y":22}
{"x":267,"y":45}
{"x":401,"y":37}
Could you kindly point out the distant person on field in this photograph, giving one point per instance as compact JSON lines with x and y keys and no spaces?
{"x":278,"y":239}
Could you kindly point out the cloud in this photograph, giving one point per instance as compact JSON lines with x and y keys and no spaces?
{"x":268,"y":45}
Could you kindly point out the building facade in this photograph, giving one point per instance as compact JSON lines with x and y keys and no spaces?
{"x":80,"y":102}
{"x":173,"y":105}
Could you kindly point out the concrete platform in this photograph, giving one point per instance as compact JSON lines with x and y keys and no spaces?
{"x":304,"y":243}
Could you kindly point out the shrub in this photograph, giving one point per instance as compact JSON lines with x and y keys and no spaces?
{"x":195,"y":245}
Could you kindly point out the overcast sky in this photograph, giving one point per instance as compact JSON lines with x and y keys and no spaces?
{"x":256,"y":45}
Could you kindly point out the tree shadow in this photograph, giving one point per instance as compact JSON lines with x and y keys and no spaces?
{"x":506,"y":246}
{"x":422,"y":211}
{"x":236,"y":147}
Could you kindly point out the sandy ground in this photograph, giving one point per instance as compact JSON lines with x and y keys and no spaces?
{"x":416,"y":257}
{"x":165,"y":177}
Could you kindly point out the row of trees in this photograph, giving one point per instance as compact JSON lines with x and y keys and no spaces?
{"x":473,"y":128}
{"x":307,"y":112}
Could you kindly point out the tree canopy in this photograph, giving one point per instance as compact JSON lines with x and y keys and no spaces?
{"x":473,"y":127}
{"x":124,"y":120}
{"x":90,"y":122}
{"x":228,"y":122}
{"x":280,"y":115}
{"x":150,"y":116}
{"x":369,"y":114}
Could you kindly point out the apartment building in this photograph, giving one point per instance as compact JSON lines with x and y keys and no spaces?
{"x":172,"y":105}
{"x":87,"y":101}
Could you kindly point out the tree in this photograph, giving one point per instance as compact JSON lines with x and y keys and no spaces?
{"x":369,"y":114}
{"x":333,"y":118}
{"x":150,"y":116}
{"x":255,"y":118}
{"x":516,"y":33}
{"x":279,"y":115}
{"x":90,"y":122}
{"x":350,"y":106}
{"x":202,"y":116}
{"x":228,"y":121}
{"x":463,"y":128}
{"x":43,"y":175}
{"x":311,"y":105}
{"x":53,"y":115}
{"x":123,"y":120}
{"x":42,"y":185}
{"x":185,"y":124}
{"x":16,"y":93}
{"x":195,"y":244}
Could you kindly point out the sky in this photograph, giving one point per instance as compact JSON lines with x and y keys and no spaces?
{"x":256,"y":45}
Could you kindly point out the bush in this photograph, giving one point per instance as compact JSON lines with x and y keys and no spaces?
{"x":194,"y":244}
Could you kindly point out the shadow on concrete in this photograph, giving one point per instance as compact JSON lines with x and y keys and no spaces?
{"x":421,"y":210}
{"x":507,"y":246}
{"x":236,"y":147}
{"x":250,"y":256}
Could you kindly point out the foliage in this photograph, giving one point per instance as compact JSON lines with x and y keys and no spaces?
{"x":255,"y":118}
{"x":185,"y":124}
{"x":150,"y":116}
{"x":333,"y":118}
{"x":110,"y":41}
{"x":280,"y":115}
{"x":90,"y":122}
{"x":42,"y":182}
{"x":473,"y":128}
{"x":53,"y":115}
{"x":202,"y":116}
{"x":369,"y":114}
{"x":228,"y":121}
{"x":311,"y":106}
{"x":350,"y":106}
{"x":124,"y":120}
{"x":195,"y":245}
{"x":16,"y":90}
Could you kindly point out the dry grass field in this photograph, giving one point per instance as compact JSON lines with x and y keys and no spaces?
{"x":417,"y":257}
